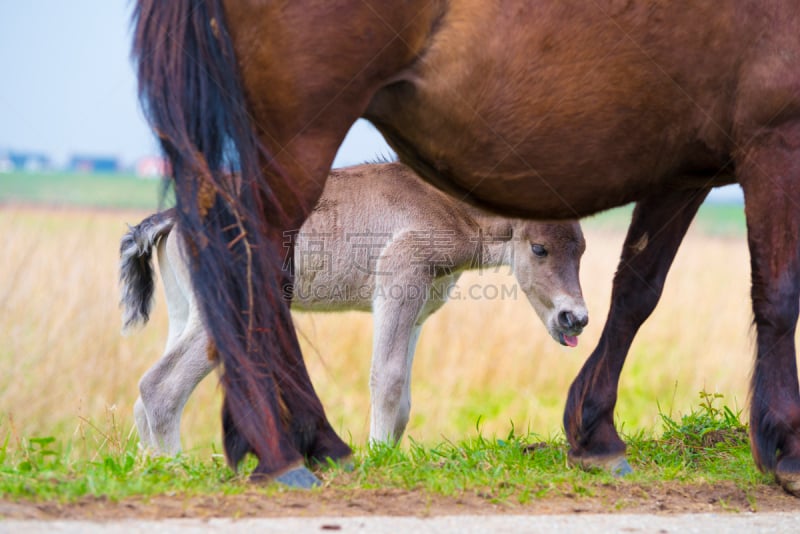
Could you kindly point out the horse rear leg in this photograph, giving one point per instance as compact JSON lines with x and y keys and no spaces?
{"x":658,"y":226}
{"x":307,"y":159}
{"x":769,"y":171}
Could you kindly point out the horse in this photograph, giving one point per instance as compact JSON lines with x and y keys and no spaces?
{"x":544,"y":110}
{"x":380,"y":239}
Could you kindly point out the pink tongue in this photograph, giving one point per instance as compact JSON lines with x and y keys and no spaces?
{"x":571,"y":341}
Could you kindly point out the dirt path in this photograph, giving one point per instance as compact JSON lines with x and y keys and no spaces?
{"x":665,"y":498}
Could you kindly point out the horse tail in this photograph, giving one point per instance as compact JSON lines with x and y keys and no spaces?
{"x":136,"y":275}
{"x":229,"y":217}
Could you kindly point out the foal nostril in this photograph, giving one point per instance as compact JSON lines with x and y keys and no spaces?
{"x":569,"y":321}
{"x":566,"y":320}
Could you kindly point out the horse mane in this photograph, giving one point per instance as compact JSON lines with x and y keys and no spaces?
{"x":192,"y":95}
{"x":382,"y":158}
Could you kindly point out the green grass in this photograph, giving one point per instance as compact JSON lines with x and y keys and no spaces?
{"x":707,"y":445}
{"x":119,"y":191}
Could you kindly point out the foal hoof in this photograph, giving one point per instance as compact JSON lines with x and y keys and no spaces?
{"x":617,"y":466}
{"x":299,"y":477}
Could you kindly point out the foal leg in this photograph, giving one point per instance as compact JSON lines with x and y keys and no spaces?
{"x":166,"y":386}
{"x":656,"y":231}
{"x":404,"y":406}
{"x":400,"y":296}
{"x":146,"y":441}
{"x":394,"y":341}
{"x":435,"y":300}
{"x":769,"y":172}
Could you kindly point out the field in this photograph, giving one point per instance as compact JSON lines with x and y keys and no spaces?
{"x":484,"y":368}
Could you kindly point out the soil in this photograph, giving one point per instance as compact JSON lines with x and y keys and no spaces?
{"x":664,"y":498}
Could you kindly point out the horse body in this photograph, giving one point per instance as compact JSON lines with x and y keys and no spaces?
{"x":542,"y":109}
{"x":379,"y":239}
{"x":531,"y":118}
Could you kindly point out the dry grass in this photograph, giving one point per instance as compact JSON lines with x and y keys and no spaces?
{"x":64,"y":363}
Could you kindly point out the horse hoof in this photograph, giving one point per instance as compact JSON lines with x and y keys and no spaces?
{"x":346,"y":464}
{"x":787,"y":475}
{"x":618,"y":466}
{"x":790,"y":483}
{"x":299,"y":477}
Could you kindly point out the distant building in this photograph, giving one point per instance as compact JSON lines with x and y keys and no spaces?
{"x":23,"y":161}
{"x":5,"y":161}
{"x":94,"y":164}
{"x":152,"y":167}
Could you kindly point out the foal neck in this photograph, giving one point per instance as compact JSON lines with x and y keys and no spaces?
{"x":494,"y":240}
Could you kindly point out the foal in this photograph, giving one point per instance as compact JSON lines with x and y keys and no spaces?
{"x":379,"y":239}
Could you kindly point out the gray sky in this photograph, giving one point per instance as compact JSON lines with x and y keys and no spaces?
{"x":67,"y":84}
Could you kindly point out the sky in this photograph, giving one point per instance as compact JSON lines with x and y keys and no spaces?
{"x":67,"y":86}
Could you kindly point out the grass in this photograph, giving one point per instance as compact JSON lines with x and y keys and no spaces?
{"x":120,"y":191}
{"x":522,"y":466}
{"x":46,"y":469}
{"x":514,"y":468}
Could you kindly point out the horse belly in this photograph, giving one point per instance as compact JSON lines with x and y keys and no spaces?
{"x":561,"y":109}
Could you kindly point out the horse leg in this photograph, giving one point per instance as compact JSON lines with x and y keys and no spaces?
{"x":404,"y":408}
{"x":769,"y":171}
{"x":146,"y":441}
{"x":218,"y":99}
{"x":308,"y":425}
{"x":655,"y":233}
{"x":435,"y":300}
{"x":166,"y":386}
{"x":400,"y":297}
{"x":395,"y":338}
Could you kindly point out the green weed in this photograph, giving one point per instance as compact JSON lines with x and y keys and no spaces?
{"x":76,"y":189}
{"x":708,"y":444}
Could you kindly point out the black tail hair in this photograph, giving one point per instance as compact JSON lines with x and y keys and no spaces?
{"x":192,"y":94}
{"x":136,"y":275}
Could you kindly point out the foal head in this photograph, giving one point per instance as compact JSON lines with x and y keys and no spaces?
{"x":545,"y":258}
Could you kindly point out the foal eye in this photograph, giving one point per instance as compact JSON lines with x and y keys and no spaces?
{"x":539,"y":250}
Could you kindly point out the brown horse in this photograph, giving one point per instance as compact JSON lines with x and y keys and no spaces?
{"x":538,"y":109}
